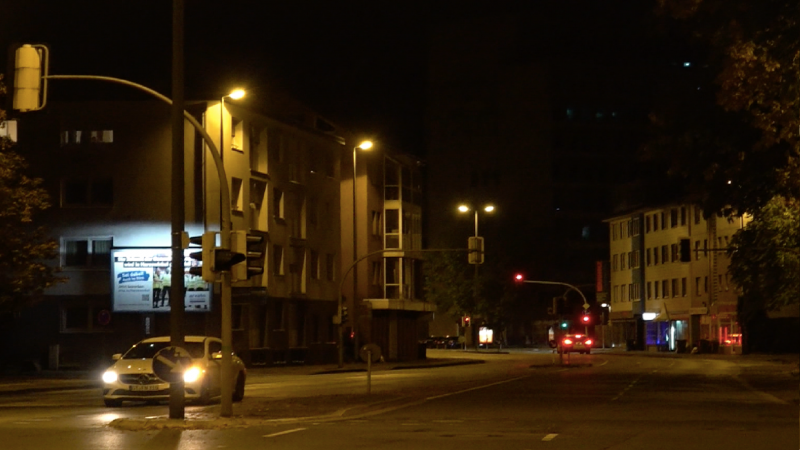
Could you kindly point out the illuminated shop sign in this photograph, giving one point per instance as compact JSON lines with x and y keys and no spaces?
{"x":141,"y":279}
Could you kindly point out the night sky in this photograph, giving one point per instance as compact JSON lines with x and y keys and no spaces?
{"x":360,"y":63}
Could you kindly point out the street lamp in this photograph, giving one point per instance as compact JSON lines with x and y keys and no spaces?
{"x":226,"y":406}
{"x":364,"y":145}
{"x":478,"y":246}
{"x":465,"y":208}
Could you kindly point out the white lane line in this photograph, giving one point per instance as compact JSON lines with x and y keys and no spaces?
{"x":476,"y":388}
{"x":283,"y":432}
{"x":549,"y":437}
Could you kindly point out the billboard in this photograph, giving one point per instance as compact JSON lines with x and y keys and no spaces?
{"x":141,"y":280}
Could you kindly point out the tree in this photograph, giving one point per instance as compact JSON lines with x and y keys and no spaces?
{"x":765,"y":257}
{"x":25,"y":248}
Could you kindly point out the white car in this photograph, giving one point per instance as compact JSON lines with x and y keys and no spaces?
{"x":131,"y":376}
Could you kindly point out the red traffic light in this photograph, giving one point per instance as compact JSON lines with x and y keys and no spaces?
{"x":519,"y":277}
{"x":586,"y":319}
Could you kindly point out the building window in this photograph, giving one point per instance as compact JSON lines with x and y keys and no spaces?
{"x":664,"y":255}
{"x":696,"y":250}
{"x":376,"y":223}
{"x":277,"y":198}
{"x":655,"y":288}
{"x":330,"y":266}
{"x":665,"y":288}
{"x":705,"y":285}
{"x":8,"y":129}
{"x":87,"y":192}
{"x":647,"y":224}
{"x":236,"y":194}
{"x":258,"y":149}
{"x":697,"y":286}
{"x":663,"y":220}
{"x":277,"y":260}
{"x":258,"y":214}
{"x":101,"y":137}
{"x":674,"y":287}
{"x":635,"y":227}
{"x":377,"y":277}
{"x":649,"y":290}
{"x":655,"y":222}
{"x":83,"y":317}
{"x":655,"y":256}
{"x":674,"y":252}
{"x":87,"y":253}
{"x":635,"y":257}
{"x":237,"y":134}
{"x":683,"y":287}
{"x":697,"y":214}
{"x":622,"y":261}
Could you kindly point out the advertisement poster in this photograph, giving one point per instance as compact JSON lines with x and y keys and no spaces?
{"x":142,"y":279}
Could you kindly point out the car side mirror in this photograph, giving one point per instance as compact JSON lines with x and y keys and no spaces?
{"x":116,"y":356}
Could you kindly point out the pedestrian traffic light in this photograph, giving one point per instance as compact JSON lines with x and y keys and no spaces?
{"x":253,"y":247}
{"x":205,"y":257}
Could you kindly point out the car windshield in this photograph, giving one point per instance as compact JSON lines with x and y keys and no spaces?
{"x":147,"y":350}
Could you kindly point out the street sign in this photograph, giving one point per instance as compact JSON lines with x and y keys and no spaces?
{"x":370,"y":352}
{"x":170,"y":363}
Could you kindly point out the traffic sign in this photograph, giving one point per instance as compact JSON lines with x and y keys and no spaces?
{"x":170,"y":363}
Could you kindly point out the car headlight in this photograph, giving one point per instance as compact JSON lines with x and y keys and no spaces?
{"x":192,"y":374}
{"x":110,"y":376}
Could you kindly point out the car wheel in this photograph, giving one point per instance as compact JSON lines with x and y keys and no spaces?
{"x":112,"y":403}
{"x":205,"y":394}
{"x":238,"y":390}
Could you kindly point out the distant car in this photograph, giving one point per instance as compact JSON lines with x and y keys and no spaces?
{"x":442,"y":342}
{"x":131,"y":377}
{"x":576,"y":343}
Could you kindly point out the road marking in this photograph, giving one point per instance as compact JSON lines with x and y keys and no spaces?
{"x":549,"y":437}
{"x":283,"y":432}
{"x":476,"y":388}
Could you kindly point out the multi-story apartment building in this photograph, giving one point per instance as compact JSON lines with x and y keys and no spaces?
{"x":107,"y":168}
{"x":669,"y":286}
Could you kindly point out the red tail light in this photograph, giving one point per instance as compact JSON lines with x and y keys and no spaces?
{"x":588,"y":342}
{"x":567,"y":341}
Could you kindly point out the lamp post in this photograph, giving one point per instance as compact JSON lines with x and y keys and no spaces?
{"x":464,"y":209}
{"x":226,"y":393}
{"x":365,"y":145}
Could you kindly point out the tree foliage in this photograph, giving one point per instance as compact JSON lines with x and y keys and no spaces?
{"x":450,"y":283}
{"x":765,"y":256}
{"x":25,"y":248}
{"x":733,"y":142}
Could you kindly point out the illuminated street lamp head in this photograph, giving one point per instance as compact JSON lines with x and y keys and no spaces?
{"x":366,"y":145}
{"x":488,"y":208}
{"x":463,"y":208}
{"x":236,"y":94}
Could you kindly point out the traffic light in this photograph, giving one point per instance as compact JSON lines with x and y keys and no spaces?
{"x":564,"y":325}
{"x":30,"y":82}
{"x":465,"y":321}
{"x":344,"y":314}
{"x":519,"y":278}
{"x":586,"y":319}
{"x":253,"y":247}
{"x":475,"y":247}
{"x":205,"y":257}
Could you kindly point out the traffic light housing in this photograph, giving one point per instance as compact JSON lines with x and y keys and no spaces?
{"x":344,"y":314}
{"x":563,"y":325}
{"x":475,"y":247}
{"x":205,"y":257}
{"x":252,"y":247}
{"x":465,"y":321}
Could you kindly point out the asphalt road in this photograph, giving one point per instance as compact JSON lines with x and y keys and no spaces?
{"x":514,"y":401}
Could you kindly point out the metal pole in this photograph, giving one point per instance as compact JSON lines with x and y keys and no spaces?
{"x":226,"y":386}
{"x":176,"y":306}
{"x":355,"y":257}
